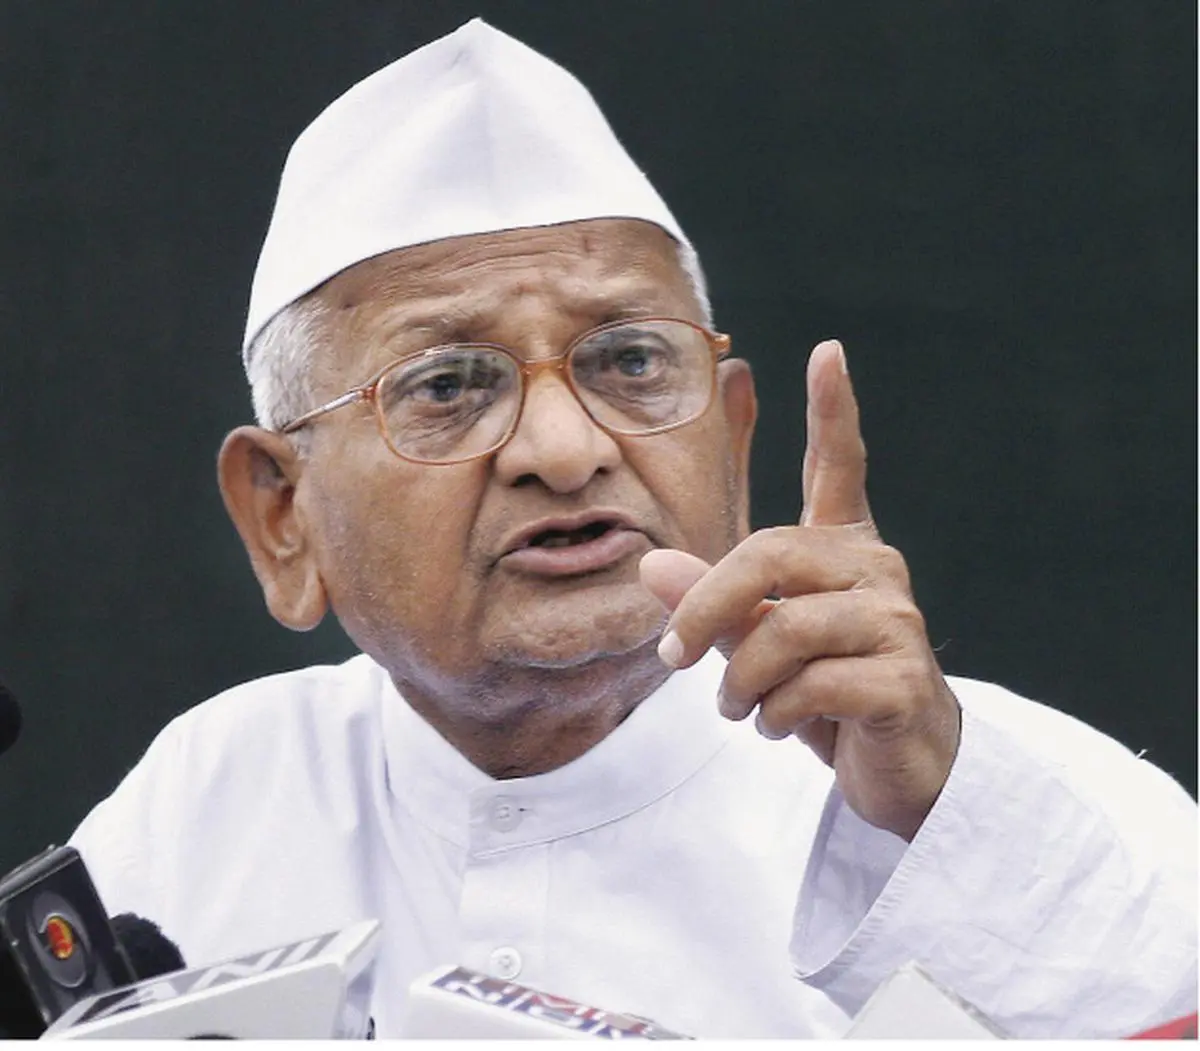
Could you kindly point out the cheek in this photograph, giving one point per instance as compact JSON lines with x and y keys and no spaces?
{"x":691,"y":478}
{"x":390,"y":539}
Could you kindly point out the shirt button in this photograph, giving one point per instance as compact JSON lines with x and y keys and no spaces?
{"x":505,"y":814}
{"x":505,"y":962}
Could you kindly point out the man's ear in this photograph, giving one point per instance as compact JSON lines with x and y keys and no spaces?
{"x":258,"y":472}
{"x":736,"y":387}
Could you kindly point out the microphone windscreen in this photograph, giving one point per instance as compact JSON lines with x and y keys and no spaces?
{"x":10,"y":719}
{"x":150,"y":951}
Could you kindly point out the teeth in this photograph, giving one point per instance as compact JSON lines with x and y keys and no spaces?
{"x":577,"y":536}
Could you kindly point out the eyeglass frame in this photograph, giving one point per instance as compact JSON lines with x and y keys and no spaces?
{"x":718,"y":343}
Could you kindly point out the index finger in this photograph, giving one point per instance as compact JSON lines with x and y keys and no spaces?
{"x":835,"y":456}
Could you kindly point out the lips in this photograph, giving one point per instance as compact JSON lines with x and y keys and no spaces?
{"x":568,"y":546}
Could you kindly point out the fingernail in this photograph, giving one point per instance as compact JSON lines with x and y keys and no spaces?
{"x":670,"y":650}
{"x":841,"y":357}
{"x":728,"y":710}
{"x":762,"y":728}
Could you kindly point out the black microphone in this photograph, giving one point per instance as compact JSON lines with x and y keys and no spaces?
{"x":150,"y":951}
{"x":10,"y":719}
{"x":56,"y":944}
{"x":318,"y":988}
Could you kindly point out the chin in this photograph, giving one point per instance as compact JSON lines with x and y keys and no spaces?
{"x":574,"y":631}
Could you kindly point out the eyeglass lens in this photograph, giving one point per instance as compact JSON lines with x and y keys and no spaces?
{"x":462,"y":401}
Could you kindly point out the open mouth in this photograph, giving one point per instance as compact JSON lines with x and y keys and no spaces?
{"x":569,"y":538}
{"x":573,"y":547}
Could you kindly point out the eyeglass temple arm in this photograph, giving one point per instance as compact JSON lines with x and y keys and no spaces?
{"x":337,"y":403}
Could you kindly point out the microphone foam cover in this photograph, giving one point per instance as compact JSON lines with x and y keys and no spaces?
{"x":150,"y":951}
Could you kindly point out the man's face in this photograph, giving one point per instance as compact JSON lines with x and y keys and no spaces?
{"x":418,"y":561}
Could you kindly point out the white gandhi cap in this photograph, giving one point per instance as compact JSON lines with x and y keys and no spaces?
{"x":473,"y":133}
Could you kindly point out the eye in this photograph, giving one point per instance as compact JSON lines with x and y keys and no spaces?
{"x":636,"y":361}
{"x":442,"y":387}
{"x":624,"y":357}
{"x":444,"y":384}
{"x":449,"y":404}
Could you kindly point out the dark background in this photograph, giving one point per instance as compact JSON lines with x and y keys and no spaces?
{"x":992,"y":204}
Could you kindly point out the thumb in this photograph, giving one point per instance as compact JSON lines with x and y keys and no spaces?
{"x":668,"y":574}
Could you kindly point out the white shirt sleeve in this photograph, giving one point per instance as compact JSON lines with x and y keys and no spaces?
{"x":1053,"y":884}
{"x":121,"y":839}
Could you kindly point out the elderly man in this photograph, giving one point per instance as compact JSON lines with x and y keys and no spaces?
{"x":501,"y":439}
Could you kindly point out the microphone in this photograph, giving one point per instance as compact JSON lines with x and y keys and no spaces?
{"x":464,"y":1004}
{"x":56,"y":944}
{"x":910,"y":1004}
{"x":1178,"y":1029}
{"x":10,"y":719}
{"x":319,"y":988}
{"x":150,"y":951}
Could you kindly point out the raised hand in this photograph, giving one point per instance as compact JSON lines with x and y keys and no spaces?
{"x":820,"y":627}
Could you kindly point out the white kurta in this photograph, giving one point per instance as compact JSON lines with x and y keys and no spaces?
{"x":684,"y":869}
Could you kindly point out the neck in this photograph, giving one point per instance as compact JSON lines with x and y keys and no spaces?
{"x":516,"y":722}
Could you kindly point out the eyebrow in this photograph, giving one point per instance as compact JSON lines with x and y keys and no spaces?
{"x":461,"y":322}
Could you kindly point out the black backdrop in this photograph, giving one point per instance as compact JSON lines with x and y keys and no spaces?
{"x":992,"y":204}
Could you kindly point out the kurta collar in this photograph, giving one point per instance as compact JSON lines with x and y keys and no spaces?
{"x":663,"y":742}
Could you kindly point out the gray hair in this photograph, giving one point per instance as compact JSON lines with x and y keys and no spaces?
{"x":278,"y":361}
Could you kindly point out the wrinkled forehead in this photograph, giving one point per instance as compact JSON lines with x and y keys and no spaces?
{"x":571,"y":275}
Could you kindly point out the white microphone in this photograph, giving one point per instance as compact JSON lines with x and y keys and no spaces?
{"x":457,"y":1002}
{"x":910,"y":1004}
{"x":319,"y":988}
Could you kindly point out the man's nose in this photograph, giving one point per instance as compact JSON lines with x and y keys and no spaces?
{"x":556,"y":440}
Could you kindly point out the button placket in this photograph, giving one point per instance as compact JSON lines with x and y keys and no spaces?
{"x":502,"y":911}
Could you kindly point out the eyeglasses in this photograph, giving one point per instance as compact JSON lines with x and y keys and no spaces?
{"x":461,"y":401}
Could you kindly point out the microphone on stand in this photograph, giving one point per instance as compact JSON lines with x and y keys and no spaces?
{"x":57,"y":946}
{"x":319,"y":988}
{"x":10,"y":719}
{"x":461,"y":1003}
{"x":910,"y":1004}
